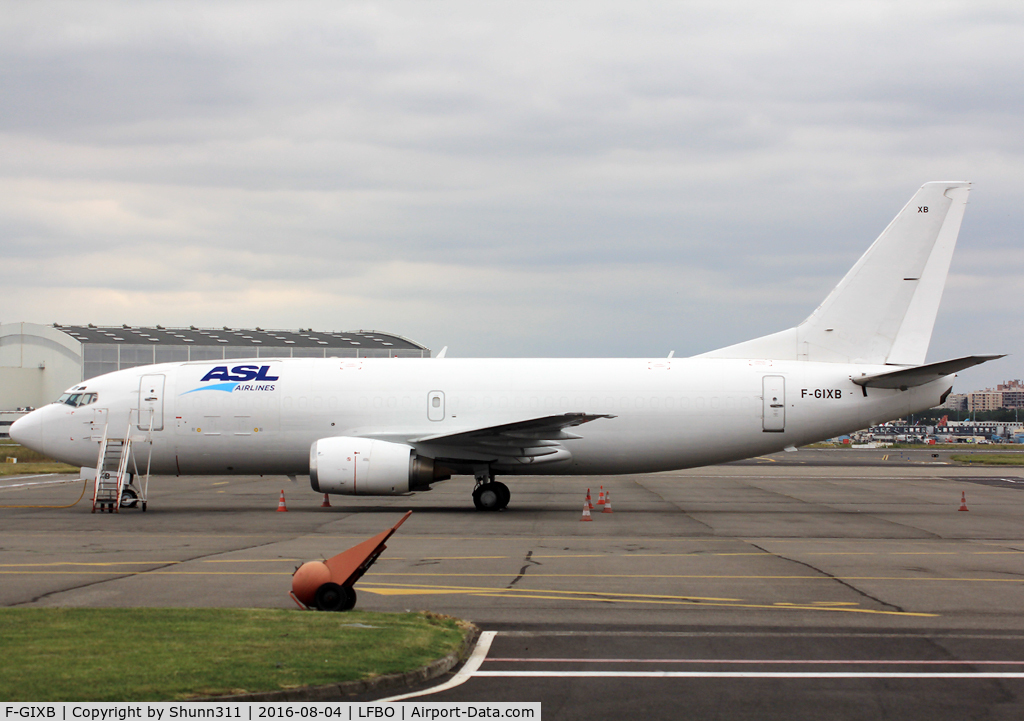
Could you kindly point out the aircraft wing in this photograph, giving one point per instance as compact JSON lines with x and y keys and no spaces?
{"x":919,"y":375}
{"x":524,"y":441}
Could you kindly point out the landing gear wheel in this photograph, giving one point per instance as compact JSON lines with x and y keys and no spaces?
{"x":487,"y":497}
{"x":350,"y":598}
{"x":129,"y":498}
{"x":504,"y":494}
{"x":330,"y":597}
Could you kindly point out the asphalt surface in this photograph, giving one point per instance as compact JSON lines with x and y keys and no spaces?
{"x":816,"y":584}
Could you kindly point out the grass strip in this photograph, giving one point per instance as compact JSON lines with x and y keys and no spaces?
{"x":28,"y":461}
{"x":28,"y":469}
{"x":23,"y":454}
{"x":991,"y":459}
{"x":168,"y":654}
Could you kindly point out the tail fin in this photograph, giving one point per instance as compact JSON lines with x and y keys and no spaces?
{"x":884,"y":310}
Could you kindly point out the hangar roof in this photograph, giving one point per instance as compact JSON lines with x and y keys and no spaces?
{"x":307,"y":338}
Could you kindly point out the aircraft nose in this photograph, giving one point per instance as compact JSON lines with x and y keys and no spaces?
{"x":28,"y":431}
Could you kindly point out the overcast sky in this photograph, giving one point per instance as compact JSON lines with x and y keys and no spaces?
{"x":507,"y":179}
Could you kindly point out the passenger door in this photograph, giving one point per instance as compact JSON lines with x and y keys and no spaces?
{"x":151,"y":402}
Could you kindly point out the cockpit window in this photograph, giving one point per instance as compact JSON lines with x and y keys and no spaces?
{"x":78,"y":399}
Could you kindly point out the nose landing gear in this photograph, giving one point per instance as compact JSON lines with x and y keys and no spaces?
{"x":489,"y":494}
{"x":129,"y":498}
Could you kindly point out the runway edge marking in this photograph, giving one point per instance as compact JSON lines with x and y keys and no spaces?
{"x":468,"y":670}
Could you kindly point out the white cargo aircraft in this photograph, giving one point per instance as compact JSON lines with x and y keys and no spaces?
{"x":391,"y":426}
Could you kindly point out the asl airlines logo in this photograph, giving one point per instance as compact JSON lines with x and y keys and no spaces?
{"x":235,"y":380}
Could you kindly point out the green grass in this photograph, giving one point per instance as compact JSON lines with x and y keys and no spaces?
{"x":23,"y":454}
{"x":991,"y":459}
{"x":161,"y":654}
{"x":27,"y":469}
{"x":972,"y":446}
{"x":29,"y":461}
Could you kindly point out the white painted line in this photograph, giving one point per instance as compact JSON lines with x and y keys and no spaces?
{"x":759,"y":634}
{"x":468,"y":670}
{"x":755,"y":661}
{"x":5,"y":486}
{"x":23,"y":478}
{"x":736,"y":674}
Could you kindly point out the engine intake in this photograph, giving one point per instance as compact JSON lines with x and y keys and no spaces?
{"x":368,"y":467}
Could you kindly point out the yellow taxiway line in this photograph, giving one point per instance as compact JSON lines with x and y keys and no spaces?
{"x":607,"y":597}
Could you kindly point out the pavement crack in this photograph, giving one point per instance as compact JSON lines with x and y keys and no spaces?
{"x":838,"y":580}
{"x":116,"y":576}
{"x":673,"y":504}
{"x":522,"y":571}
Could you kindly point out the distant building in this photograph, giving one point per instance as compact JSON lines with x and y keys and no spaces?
{"x":1013,"y":393}
{"x":39,"y":362}
{"x":946,"y":432}
{"x":1013,"y":399}
{"x":987,"y":400}
{"x":955,"y":402}
{"x":1008,"y":394}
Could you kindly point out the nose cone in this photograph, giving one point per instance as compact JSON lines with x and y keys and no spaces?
{"x":28,"y":431}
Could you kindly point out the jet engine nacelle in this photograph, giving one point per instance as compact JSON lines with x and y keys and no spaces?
{"x":367,"y":467}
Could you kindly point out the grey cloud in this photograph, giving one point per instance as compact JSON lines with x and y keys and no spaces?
{"x":518,"y":156}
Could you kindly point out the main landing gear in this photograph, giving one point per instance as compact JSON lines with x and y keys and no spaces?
{"x":489,"y":494}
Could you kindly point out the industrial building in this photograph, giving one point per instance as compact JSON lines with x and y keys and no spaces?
{"x":39,"y":362}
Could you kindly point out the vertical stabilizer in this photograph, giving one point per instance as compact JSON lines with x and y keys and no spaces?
{"x":884,"y":310}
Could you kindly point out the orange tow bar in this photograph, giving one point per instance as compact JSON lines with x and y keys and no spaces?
{"x":327,"y":585}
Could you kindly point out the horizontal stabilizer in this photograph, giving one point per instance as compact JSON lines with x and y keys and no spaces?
{"x":919,"y":375}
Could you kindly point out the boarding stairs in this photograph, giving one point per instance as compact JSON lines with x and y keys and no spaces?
{"x":113,"y":486}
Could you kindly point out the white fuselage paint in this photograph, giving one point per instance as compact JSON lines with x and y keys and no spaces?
{"x":669,"y":413}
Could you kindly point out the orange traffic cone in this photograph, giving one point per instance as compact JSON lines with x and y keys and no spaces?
{"x":590,"y":504}
{"x":607,"y":502}
{"x":280,"y":504}
{"x":586,"y":512}
{"x":963,"y":502}
{"x":326,"y":503}
{"x":600,"y":497}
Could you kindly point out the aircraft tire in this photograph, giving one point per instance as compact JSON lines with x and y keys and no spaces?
{"x":487,"y":498}
{"x":350,"y":598}
{"x":505,"y":495}
{"x":331,"y":597}
{"x":129,"y":499}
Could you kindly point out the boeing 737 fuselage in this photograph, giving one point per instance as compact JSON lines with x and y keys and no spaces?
{"x":391,"y":426}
